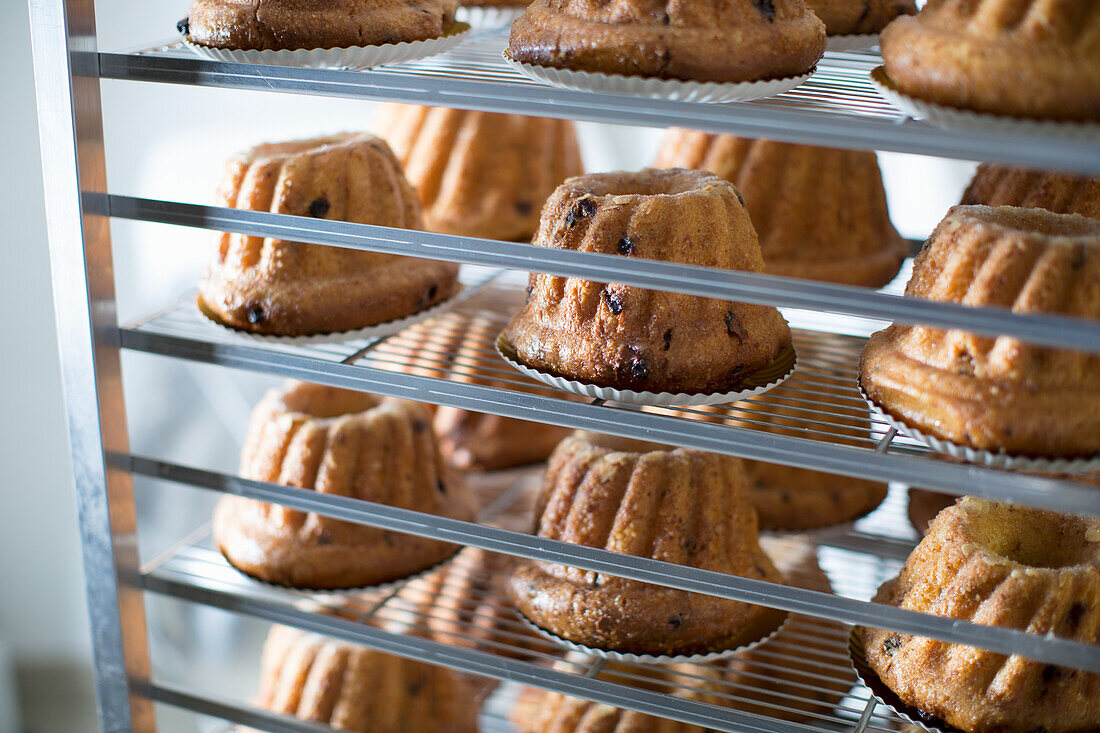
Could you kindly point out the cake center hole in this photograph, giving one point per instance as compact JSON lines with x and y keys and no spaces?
{"x":1038,"y":539}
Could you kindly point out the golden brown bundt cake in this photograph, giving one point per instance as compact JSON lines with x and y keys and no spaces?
{"x":924,"y":505}
{"x":702,"y":40}
{"x":683,"y":506}
{"x":789,"y":498}
{"x":342,"y":443}
{"x":852,"y":17}
{"x":476,"y":441}
{"x":353,"y":688}
{"x":1024,"y":58}
{"x":820,"y":213}
{"x":1062,"y":193}
{"x":998,"y":565}
{"x":481,"y":174}
{"x":997,"y":394}
{"x":271,"y":25}
{"x":460,"y":605}
{"x":624,"y":337}
{"x":270,"y":286}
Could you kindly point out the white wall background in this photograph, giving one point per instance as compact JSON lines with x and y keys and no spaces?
{"x":169,"y":142}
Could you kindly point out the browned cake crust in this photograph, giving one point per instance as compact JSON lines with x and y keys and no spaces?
{"x":1006,"y":566}
{"x":333,"y":441}
{"x":624,"y":337}
{"x":275,"y":287}
{"x":268,"y":25}
{"x":1029,"y":58}
{"x":997,"y":394}
{"x":480,"y":174}
{"x":1062,"y":193}
{"x":682,"y":506}
{"x":494,"y":3}
{"x":820,"y":213}
{"x":847,"y":17}
{"x":704,"y":40}
{"x":353,"y":688}
{"x":788,"y":498}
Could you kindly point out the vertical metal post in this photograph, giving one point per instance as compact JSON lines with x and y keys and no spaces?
{"x":66,"y":69}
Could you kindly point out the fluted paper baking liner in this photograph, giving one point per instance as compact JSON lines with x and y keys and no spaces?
{"x":953,"y":117}
{"x":768,"y":378}
{"x":870,"y":679}
{"x":389,"y":328}
{"x":984,"y":457}
{"x":651,"y":658}
{"x":352,"y":57}
{"x":653,"y":88}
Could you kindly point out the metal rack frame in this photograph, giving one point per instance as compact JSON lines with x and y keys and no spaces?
{"x":836,"y":108}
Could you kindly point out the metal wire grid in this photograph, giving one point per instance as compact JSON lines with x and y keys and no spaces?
{"x":801,"y":676}
{"x":841,"y":84}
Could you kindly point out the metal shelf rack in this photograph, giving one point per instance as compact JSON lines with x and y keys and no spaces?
{"x":792,"y":425}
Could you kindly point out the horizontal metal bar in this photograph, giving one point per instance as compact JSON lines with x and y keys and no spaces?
{"x":919,"y":470}
{"x":1073,"y":333}
{"x":225,"y":710}
{"x":477,"y":662}
{"x":797,"y":600}
{"x":771,"y":119}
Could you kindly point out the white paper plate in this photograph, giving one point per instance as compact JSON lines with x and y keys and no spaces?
{"x":852,"y":42}
{"x":354,"y":57}
{"x":984,"y":457}
{"x":650,"y":658}
{"x":953,"y":117}
{"x":489,"y":16}
{"x":379,"y":330}
{"x":759,"y":383}
{"x":870,"y":679}
{"x":653,"y":88}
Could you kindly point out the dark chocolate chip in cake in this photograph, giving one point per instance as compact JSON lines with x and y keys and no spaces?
{"x":527,"y":294}
{"x":255,"y":314}
{"x":734,"y":326}
{"x":1051,"y":673}
{"x":523,"y":208}
{"x":1074,"y":615}
{"x":626,"y":246}
{"x":419,"y":426}
{"x":665,"y":20}
{"x":614,"y":301}
{"x":184,"y":26}
{"x":439,"y":485}
{"x":668,"y":339}
{"x":319,"y":207}
{"x":676,"y":620}
{"x":891,"y":645}
{"x":583,"y":209}
{"x":429,"y":296}
{"x":639,"y":369}
{"x":739,"y":196}
{"x":766,"y":8}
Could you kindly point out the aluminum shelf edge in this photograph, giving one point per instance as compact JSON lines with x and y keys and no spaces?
{"x":1051,"y":650}
{"x":954,"y":478}
{"x":1057,"y":331}
{"x":509,"y":92}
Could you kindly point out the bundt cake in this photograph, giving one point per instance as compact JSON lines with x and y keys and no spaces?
{"x":481,"y":174}
{"x":820,"y":213}
{"x":342,"y":443}
{"x":624,"y":337}
{"x":270,"y":286}
{"x":997,"y":565}
{"x":857,"y":17}
{"x":1023,"y":58}
{"x":1062,"y":193}
{"x":682,"y":506}
{"x":272,"y":25}
{"x":353,"y":688}
{"x":788,"y":498}
{"x":997,"y":394}
{"x":702,"y":40}
{"x":459,"y":605}
{"x":475,"y":441}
